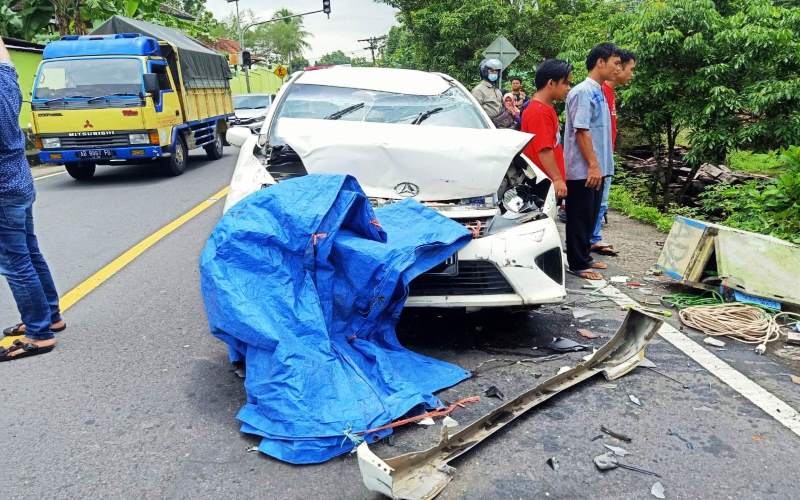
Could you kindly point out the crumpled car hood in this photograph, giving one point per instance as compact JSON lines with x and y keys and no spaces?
{"x":428,"y":163}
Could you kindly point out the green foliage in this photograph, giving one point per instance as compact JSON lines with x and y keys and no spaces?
{"x":277,"y":42}
{"x":755,"y":163}
{"x":630,"y":194}
{"x":337,"y":57}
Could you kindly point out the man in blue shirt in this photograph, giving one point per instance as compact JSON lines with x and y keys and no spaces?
{"x":588,"y":156}
{"x":21,"y":262}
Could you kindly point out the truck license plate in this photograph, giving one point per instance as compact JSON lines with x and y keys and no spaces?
{"x":95,"y":153}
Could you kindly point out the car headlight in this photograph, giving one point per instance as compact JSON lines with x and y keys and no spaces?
{"x":51,"y":142}
{"x":139,"y":138}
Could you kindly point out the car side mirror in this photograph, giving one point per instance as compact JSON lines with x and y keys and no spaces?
{"x":237,"y":136}
{"x":151,"y":83}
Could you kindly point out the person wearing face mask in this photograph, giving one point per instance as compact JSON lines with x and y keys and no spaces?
{"x":490,"y":97}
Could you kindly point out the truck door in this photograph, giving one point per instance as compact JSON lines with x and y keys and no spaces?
{"x":167,"y":103}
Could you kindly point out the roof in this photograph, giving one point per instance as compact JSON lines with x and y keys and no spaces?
{"x":226,"y":45}
{"x":399,"y":81}
{"x":128,"y":44}
{"x":22,"y":45}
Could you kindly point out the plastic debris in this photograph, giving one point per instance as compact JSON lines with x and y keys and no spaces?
{"x":581,"y":312}
{"x":608,"y":461}
{"x":449,"y":422}
{"x":553,"y":463}
{"x":619,"y":279}
{"x":251,"y":449}
{"x":494,"y":392}
{"x":647,"y":363}
{"x":599,"y":436}
{"x":634,"y":400}
{"x":658,"y":490}
{"x":608,"y":386}
{"x":427,"y":422}
{"x":795,"y":379}
{"x":563,"y":369}
{"x":583,"y":332}
{"x":616,"y":450}
{"x":561,"y":344}
{"x":621,"y":437}
{"x":714,"y":342}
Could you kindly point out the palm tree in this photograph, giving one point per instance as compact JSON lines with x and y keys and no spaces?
{"x":288,"y":37}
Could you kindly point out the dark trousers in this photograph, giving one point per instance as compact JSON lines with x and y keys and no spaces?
{"x":22,"y":264}
{"x":583,"y":206}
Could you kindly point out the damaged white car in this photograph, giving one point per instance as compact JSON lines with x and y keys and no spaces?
{"x":405,"y":133}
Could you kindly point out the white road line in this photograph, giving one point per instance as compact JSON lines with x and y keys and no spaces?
{"x":756,"y":394}
{"x":48,"y":176}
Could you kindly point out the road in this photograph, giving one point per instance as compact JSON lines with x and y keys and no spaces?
{"x":138,"y":400}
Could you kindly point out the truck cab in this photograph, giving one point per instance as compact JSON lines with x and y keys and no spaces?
{"x":122,"y":98}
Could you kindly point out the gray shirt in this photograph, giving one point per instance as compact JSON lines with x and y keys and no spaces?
{"x":491,"y":100}
{"x":587,"y":109}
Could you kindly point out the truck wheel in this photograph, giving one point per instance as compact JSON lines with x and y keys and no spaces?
{"x":214,"y":150}
{"x":81,"y":171}
{"x":176,"y":163}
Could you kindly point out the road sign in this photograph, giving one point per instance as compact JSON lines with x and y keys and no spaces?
{"x":281,"y":72}
{"x":501,"y":49}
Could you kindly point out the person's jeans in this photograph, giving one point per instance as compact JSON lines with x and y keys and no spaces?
{"x":597,"y":235}
{"x":25,"y":269}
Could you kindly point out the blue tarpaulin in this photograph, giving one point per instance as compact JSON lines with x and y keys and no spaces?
{"x":305,"y":283}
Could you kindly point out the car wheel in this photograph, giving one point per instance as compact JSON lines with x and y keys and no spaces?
{"x":81,"y":171}
{"x":215,"y":149}
{"x":176,"y":163}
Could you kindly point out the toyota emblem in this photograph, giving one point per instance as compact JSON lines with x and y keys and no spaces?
{"x":407,"y":189}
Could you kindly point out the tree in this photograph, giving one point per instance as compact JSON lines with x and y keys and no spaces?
{"x":298,"y":63}
{"x":288,"y":37}
{"x":337,"y":57}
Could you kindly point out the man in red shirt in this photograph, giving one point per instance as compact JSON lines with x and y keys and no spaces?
{"x":540,"y":119}
{"x":628,"y":60}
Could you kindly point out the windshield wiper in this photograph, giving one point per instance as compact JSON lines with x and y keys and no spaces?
{"x":67,"y":97}
{"x":118,"y":94}
{"x":425,"y":115}
{"x":345,"y":111}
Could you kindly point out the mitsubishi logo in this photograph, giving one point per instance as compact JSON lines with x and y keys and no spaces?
{"x":88,"y":124}
{"x":407,"y":189}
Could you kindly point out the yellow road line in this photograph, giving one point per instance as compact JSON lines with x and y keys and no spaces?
{"x":92,"y":282}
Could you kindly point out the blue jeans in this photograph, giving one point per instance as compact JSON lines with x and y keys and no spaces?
{"x":25,"y":269}
{"x":597,"y":236}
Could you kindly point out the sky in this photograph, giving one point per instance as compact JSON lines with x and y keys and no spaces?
{"x":350,"y":21}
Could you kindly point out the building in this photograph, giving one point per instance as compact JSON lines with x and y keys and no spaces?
{"x":26,"y":57}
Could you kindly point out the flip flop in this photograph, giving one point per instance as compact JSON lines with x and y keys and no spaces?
{"x":16,"y":331}
{"x":605,"y":250}
{"x":584,"y":274}
{"x":29,"y":348}
{"x":599,"y":265}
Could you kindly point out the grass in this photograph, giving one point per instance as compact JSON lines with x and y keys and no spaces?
{"x":620,"y":199}
{"x":755,"y":163}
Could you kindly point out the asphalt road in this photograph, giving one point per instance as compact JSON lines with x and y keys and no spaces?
{"x":138,"y":400}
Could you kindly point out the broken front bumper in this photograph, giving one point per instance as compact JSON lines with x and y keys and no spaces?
{"x":424,"y":474}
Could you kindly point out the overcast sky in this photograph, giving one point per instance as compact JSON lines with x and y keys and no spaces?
{"x":350,"y":21}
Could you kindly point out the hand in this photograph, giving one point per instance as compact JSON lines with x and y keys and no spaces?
{"x":595,"y":177}
{"x":561,"y":188}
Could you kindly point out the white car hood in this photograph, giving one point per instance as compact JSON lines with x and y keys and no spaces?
{"x":244,"y":114}
{"x":428,"y":163}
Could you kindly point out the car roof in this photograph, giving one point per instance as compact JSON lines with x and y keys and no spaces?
{"x":400,"y":81}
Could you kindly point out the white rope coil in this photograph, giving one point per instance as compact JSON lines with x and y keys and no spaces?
{"x":740,"y":322}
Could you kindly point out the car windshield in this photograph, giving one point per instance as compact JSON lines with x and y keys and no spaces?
{"x":250,"y":101}
{"x":89,"y":78}
{"x":451,"y":108}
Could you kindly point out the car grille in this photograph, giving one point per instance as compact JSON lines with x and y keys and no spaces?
{"x":106,"y":141}
{"x":475,"y":277}
{"x":551,"y":264}
{"x":476,"y":225}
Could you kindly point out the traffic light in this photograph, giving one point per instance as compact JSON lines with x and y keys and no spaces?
{"x":247,"y":59}
{"x":326,"y":7}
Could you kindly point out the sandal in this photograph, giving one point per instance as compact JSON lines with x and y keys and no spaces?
{"x":17,"y":331}
{"x":605,"y":250}
{"x":599,"y":265}
{"x":29,"y":348}
{"x":587,"y":274}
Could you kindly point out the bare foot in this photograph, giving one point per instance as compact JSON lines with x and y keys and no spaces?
{"x":588,"y":274}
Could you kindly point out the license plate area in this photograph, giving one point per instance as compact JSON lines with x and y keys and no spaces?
{"x":95,"y":153}
{"x":447,"y":268}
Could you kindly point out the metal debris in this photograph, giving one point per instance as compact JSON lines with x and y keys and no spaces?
{"x":658,"y":490}
{"x":713,"y":341}
{"x":553,"y":463}
{"x":617,"y":435}
{"x":494,"y":392}
{"x":616,"y":450}
{"x":634,"y":400}
{"x":561,"y":344}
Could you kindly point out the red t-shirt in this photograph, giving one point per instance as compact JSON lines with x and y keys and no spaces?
{"x":611,"y":99}
{"x":541,"y":120}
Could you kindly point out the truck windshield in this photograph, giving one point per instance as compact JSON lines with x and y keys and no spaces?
{"x":89,"y":78}
{"x":451,"y":108}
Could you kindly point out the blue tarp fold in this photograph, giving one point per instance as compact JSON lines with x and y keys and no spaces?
{"x":305,"y":283}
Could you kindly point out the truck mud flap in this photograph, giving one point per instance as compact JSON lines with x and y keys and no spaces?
{"x":424,"y":474}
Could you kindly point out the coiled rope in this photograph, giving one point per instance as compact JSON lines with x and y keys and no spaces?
{"x":740,"y":322}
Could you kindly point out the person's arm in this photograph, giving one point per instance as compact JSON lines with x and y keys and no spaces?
{"x":5,"y":57}
{"x":594,"y":178}
{"x":547,"y":157}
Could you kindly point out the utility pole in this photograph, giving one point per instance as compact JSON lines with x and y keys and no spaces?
{"x":374,"y":45}
{"x":241,"y":44}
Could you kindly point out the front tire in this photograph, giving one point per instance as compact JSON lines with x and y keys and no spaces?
{"x":215,"y":149}
{"x":176,"y":163}
{"x":81,"y":171}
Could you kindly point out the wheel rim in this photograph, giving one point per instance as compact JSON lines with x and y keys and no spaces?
{"x":179,"y":155}
{"x":218,"y":144}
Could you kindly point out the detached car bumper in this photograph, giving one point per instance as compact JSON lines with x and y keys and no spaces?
{"x":519,"y":266}
{"x":103,"y":154}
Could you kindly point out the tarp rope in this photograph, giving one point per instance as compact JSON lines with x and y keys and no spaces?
{"x":740,"y":322}
{"x":441,"y":412}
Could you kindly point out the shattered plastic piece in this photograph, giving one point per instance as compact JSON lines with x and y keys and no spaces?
{"x":621,"y":437}
{"x":795,"y":379}
{"x":251,"y":449}
{"x":563,"y":369}
{"x":581,"y":312}
{"x":561,"y":344}
{"x":616,"y":450}
{"x":583,"y":332}
{"x":449,"y":422}
{"x":494,"y":392}
{"x":714,"y":342}
{"x":599,"y":436}
{"x":553,"y":463}
{"x":658,"y":490}
{"x":647,"y":363}
{"x":608,"y":461}
{"x":608,"y":386}
{"x":427,"y":422}
{"x":619,"y":279}
{"x":634,"y":400}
